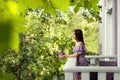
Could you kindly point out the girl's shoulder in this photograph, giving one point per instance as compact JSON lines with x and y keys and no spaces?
{"x":80,"y":47}
{"x":81,"y":43}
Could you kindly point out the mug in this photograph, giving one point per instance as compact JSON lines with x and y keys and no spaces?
{"x":61,"y":53}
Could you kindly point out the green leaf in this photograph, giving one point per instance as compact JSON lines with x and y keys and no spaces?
{"x":15,"y":43}
{"x":5,"y":33}
{"x":24,"y":4}
{"x":6,"y":76}
{"x":96,"y":8}
{"x":88,"y":4}
{"x":77,"y":7}
{"x":11,"y":24}
{"x":9,"y":34}
{"x":50,"y":10}
{"x":60,"y":4}
{"x":73,"y":2}
{"x":95,"y":5}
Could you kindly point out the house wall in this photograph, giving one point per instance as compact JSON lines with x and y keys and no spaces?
{"x":107,"y":28}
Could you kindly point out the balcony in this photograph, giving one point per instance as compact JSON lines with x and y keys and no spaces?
{"x":102,"y":68}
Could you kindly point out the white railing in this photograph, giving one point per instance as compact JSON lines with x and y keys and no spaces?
{"x":70,"y":67}
{"x":94,"y":59}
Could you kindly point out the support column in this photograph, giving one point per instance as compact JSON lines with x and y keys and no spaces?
{"x":101,"y":3}
{"x":108,"y":28}
{"x":118,"y":32}
{"x":115,"y":23}
{"x":102,"y":27}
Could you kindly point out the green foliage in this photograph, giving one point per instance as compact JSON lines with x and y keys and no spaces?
{"x":87,"y":4}
{"x":60,"y":4}
{"x":24,"y":4}
{"x":44,"y":38}
{"x":34,"y":53}
{"x":6,"y":76}
{"x":11,"y":11}
{"x":10,"y":25}
{"x":90,"y":30}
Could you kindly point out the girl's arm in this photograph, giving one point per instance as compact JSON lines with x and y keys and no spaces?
{"x":69,"y":55}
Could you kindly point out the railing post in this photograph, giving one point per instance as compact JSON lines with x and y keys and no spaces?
{"x":70,"y":64}
{"x":69,"y":76}
{"x":116,"y":76}
{"x":92,"y":61}
{"x":85,"y":76}
{"x":102,"y":76}
{"x":70,"y":67}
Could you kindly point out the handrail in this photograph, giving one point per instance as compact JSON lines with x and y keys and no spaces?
{"x":101,"y":56}
{"x":94,"y":59}
{"x":70,"y":66}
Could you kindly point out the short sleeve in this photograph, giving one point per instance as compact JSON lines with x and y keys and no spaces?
{"x":79,"y":49}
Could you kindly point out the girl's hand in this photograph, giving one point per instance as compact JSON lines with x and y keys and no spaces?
{"x":61,"y":56}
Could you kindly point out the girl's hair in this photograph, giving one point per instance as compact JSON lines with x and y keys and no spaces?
{"x":79,"y":35}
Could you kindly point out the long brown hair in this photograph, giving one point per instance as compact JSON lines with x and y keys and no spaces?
{"x":79,"y":35}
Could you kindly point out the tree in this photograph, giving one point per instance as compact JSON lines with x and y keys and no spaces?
{"x":13,"y":22}
{"x":12,"y":12}
{"x":40,"y":44}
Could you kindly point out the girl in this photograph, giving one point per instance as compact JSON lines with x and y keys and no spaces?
{"x":78,"y":51}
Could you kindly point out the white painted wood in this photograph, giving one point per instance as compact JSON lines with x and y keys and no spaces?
{"x":101,"y":76}
{"x":107,"y":29}
{"x":116,"y":76}
{"x":70,"y":68}
{"x":115,"y":22}
{"x":114,"y":27}
{"x":71,"y":63}
{"x":103,"y":26}
{"x":110,"y":40}
{"x":118,"y":32}
{"x":69,"y":76}
{"x":108,"y":35}
{"x":85,"y":76}
{"x":100,"y":27}
{"x":101,"y":56}
{"x":92,"y":61}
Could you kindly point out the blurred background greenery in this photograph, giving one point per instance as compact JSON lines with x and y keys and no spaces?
{"x":33,"y":32}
